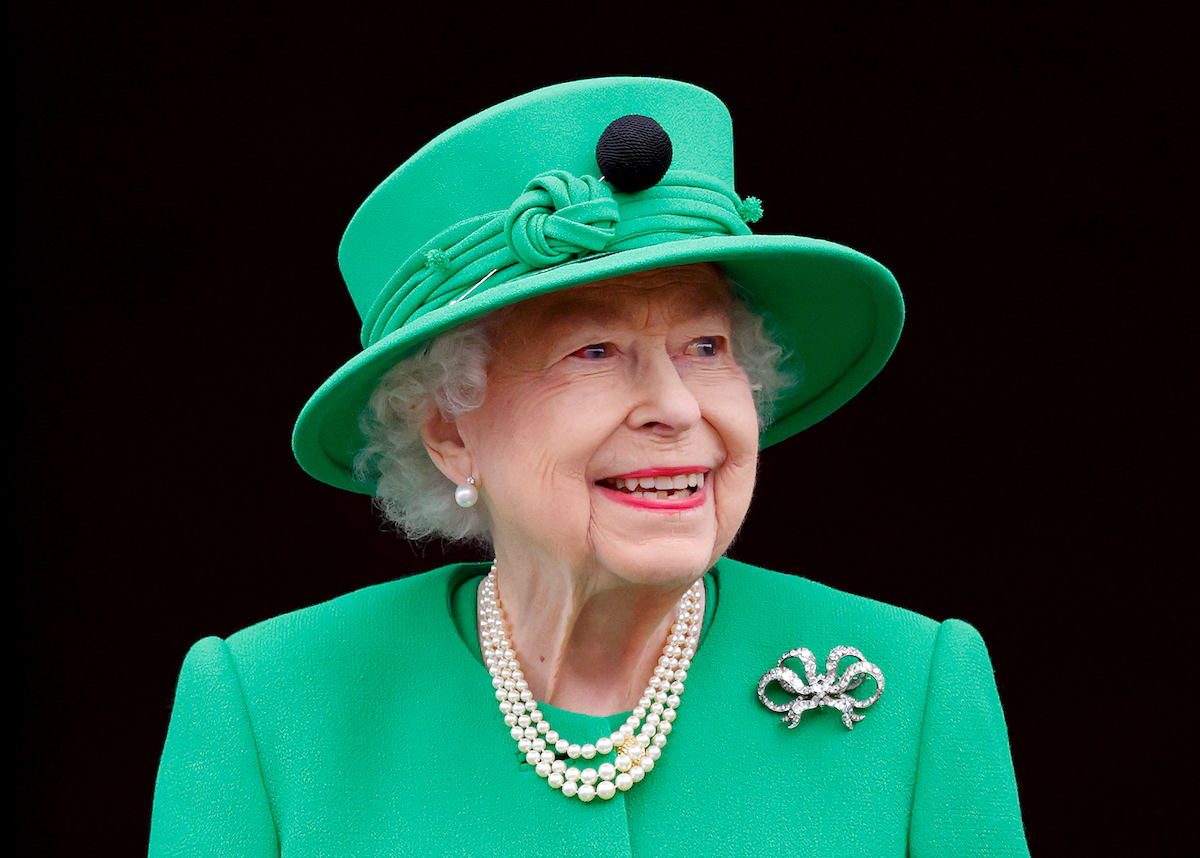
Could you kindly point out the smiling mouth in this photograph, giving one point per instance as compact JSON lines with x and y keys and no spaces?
{"x":662,"y":487}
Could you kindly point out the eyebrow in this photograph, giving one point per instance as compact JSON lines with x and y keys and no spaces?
{"x":608,"y":311}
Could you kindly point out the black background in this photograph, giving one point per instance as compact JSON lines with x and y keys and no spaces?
{"x":182,"y":179}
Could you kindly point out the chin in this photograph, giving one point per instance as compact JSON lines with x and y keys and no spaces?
{"x":666,"y":562}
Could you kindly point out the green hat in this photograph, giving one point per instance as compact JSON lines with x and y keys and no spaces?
{"x":527,"y":198}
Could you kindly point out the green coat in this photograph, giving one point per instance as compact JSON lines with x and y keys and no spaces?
{"x":367,"y":726}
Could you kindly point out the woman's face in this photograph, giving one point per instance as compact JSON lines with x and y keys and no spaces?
{"x":600,"y":385}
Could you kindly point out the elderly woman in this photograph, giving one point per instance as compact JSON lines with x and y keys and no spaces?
{"x":565,"y":361}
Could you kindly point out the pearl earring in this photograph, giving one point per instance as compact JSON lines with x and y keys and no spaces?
{"x":465,"y":494}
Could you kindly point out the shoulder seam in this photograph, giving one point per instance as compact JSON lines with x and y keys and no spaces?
{"x":237,"y":675}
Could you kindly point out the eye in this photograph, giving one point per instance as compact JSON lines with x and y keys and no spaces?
{"x":704,"y":347}
{"x":596,"y":351}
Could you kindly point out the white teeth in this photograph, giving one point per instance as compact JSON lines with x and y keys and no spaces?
{"x":658,"y":487}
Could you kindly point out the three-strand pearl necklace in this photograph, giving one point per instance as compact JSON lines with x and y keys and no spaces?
{"x":637,"y":744}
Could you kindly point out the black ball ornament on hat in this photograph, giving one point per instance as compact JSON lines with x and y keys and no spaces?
{"x":633,"y":153}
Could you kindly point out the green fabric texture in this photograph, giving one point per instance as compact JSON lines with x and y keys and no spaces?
{"x":367,"y":726}
{"x":508,"y":204}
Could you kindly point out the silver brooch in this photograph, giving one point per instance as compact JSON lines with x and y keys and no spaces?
{"x":826,"y":689}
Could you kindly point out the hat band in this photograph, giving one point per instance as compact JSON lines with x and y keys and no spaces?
{"x":558,"y":218}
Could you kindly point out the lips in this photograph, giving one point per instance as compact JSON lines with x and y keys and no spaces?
{"x":657,"y":483}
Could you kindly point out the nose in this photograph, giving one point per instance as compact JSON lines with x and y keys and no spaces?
{"x":663,"y":402}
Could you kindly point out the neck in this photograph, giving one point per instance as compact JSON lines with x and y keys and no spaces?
{"x":585,"y":646}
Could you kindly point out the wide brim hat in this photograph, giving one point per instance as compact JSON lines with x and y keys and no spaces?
{"x":572,"y":184}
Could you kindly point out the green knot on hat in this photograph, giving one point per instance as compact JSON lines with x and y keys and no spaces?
{"x":559,"y":217}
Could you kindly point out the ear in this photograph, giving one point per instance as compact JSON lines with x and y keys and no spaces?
{"x":445,"y":446}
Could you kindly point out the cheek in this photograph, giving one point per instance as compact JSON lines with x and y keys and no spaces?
{"x":729,"y":408}
{"x":531,"y":451}
{"x":736,"y":423}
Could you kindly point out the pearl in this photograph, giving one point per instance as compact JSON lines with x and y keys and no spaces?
{"x":465,"y":494}
{"x":636,"y":744}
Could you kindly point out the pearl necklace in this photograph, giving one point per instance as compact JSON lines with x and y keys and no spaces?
{"x":637,"y":748}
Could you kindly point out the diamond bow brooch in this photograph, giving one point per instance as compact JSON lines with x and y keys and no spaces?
{"x":826,"y":689}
